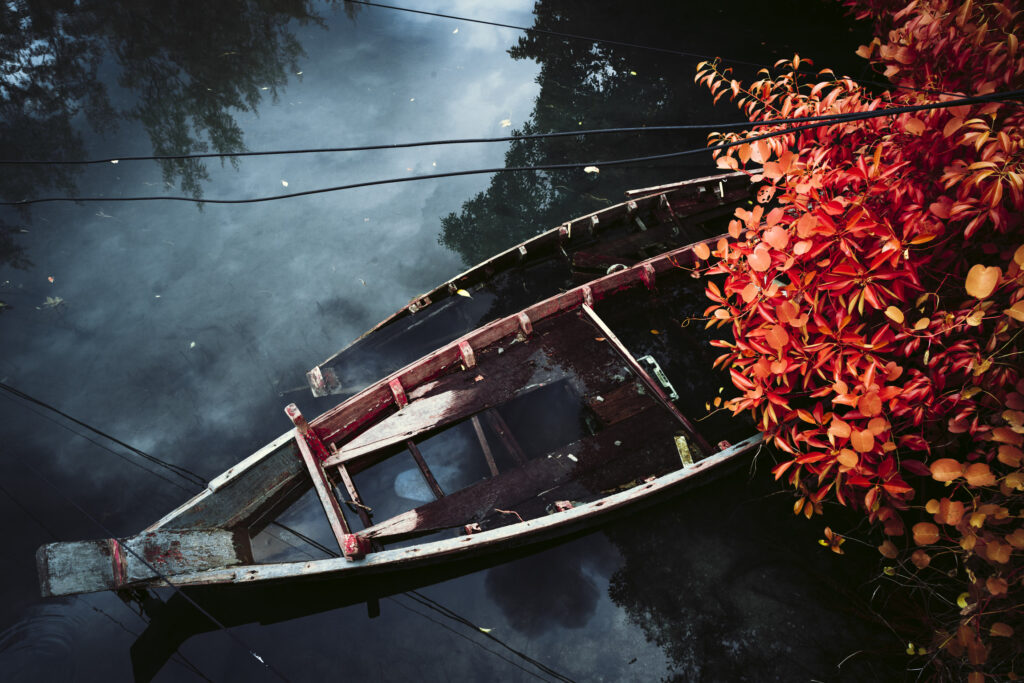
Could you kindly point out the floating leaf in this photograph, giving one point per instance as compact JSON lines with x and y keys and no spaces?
{"x":462,"y":292}
{"x":50,"y":278}
{"x":982,"y":280}
{"x":284,"y":183}
{"x":591,"y":169}
{"x":655,"y":332}
{"x":192,"y":345}
{"x":505,"y":123}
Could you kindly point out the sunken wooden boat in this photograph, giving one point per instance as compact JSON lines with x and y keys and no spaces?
{"x":531,"y":427}
{"x":651,"y":221}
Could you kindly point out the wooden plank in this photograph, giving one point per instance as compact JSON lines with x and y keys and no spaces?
{"x":428,"y":476}
{"x":353,"y":494}
{"x":268,"y":480}
{"x":324,"y":491}
{"x":482,"y":438}
{"x":454,"y":397}
{"x":617,"y":405}
{"x":651,"y":383}
{"x":500,"y":428}
{"x":109,"y":564}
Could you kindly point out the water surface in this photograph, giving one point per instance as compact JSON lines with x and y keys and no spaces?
{"x":185,"y":330}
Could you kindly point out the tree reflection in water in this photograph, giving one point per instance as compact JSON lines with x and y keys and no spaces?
{"x":190,"y":66}
{"x":587,"y":85}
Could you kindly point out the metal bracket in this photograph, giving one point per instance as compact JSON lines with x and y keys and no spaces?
{"x":655,"y":369}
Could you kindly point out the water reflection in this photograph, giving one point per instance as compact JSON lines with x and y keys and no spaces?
{"x":185,"y":71}
{"x":587,"y":85}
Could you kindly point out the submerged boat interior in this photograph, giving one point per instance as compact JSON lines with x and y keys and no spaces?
{"x":580,"y":401}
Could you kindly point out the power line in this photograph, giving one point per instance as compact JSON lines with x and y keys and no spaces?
{"x":837,"y":118}
{"x":182,"y":472}
{"x":620,"y":43}
{"x":430,"y":143}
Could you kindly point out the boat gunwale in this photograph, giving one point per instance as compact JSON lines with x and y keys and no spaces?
{"x":560,"y":233}
{"x":519,"y":533}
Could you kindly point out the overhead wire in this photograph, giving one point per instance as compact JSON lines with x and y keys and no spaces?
{"x":832,"y":119}
{"x":621,"y":43}
{"x":182,"y":472}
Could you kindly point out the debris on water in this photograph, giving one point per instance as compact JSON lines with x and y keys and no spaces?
{"x":572,"y":457}
{"x":618,"y":443}
{"x":462,"y":292}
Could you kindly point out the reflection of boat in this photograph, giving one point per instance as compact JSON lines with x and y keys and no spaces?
{"x":652,"y":220}
{"x":544,"y":422}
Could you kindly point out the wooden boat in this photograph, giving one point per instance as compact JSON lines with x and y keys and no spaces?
{"x":652,"y":221}
{"x":530,"y":427}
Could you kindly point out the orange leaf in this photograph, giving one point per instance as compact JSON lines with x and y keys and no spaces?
{"x":839,"y":428}
{"x":1000,"y":629}
{"x":894,"y":314}
{"x":996,"y":585}
{"x":848,"y":458}
{"x":982,"y":280}
{"x":920,"y":558}
{"x":915,"y":126}
{"x":979,"y":474}
{"x":862,"y":441}
{"x":777,"y":237}
{"x":925,"y":533}
{"x":950,"y":512}
{"x":870,"y":405}
{"x":702,"y":251}
{"x":946,"y":469}
{"x":888,"y":549}
{"x":760,"y":259}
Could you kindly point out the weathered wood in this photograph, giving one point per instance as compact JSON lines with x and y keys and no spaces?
{"x":530,"y":531}
{"x":651,"y":383}
{"x":486,"y":447}
{"x":353,"y":494}
{"x":110,"y":564}
{"x":456,"y":397}
{"x":500,"y":428}
{"x":324,"y":491}
{"x":617,"y":405}
{"x":506,"y":490}
{"x":268,"y":480}
{"x":428,"y":476}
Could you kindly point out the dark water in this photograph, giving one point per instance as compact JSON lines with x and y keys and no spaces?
{"x":185,"y":331}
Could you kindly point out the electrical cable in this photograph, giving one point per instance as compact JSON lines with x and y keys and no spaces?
{"x":838,"y":118}
{"x":182,"y":472}
{"x":431,"y":143}
{"x":638,"y":46}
